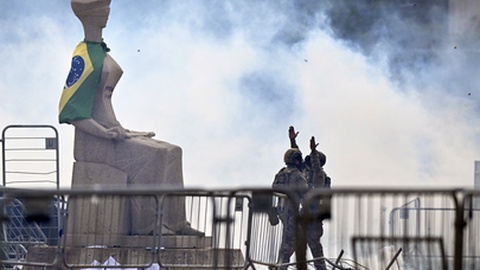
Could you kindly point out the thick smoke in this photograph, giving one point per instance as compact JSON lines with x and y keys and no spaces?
{"x":388,"y":92}
{"x":416,"y":40}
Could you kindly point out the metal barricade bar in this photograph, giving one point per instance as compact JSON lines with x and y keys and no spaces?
{"x":368,"y":229}
{"x":471,"y":237}
{"x":94,"y":237}
{"x":30,"y":156}
{"x":372,"y":224}
{"x":223,"y":217}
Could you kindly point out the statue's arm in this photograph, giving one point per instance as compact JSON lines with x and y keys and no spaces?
{"x":92,"y":127}
{"x":133,"y":133}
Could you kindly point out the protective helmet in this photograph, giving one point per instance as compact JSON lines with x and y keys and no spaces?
{"x":323,"y":158}
{"x":291,"y":155}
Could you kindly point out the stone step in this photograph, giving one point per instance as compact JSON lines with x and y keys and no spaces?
{"x":178,"y":258}
{"x":148,"y":241}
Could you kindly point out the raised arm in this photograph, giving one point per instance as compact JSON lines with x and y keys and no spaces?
{"x":292,"y":135}
{"x":318,"y":176}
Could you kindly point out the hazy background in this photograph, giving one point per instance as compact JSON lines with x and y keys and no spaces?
{"x":389,"y":88}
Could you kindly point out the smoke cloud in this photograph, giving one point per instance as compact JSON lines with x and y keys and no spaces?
{"x":387,"y":92}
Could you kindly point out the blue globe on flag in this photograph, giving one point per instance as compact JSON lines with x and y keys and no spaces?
{"x":78,"y":66}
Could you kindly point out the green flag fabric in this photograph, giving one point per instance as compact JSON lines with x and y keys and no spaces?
{"x":78,"y":93}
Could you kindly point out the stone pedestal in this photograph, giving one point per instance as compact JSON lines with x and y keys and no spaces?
{"x":98,"y":231}
{"x":97,"y":215}
{"x":180,"y":258}
{"x":142,"y":241}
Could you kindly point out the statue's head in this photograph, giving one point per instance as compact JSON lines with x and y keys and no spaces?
{"x":92,"y":11}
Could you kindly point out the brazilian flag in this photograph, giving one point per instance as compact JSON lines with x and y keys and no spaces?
{"x":78,"y":93}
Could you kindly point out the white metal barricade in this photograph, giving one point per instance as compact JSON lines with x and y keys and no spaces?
{"x":379,"y":229}
{"x":30,"y":159}
{"x":30,"y":156}
{"x":96,"y":232}
{"x":471,"y":237}
{"x":224,"y":218}
{"x":366,"y":229}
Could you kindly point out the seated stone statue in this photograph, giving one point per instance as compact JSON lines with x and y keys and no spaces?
{"x":86,"y":103}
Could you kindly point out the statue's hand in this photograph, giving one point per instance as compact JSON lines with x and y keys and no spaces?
{"x":117,"y":133}
{"x":150,"y":134}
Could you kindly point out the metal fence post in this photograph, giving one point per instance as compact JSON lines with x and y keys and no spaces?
{"x":459,"y":227}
